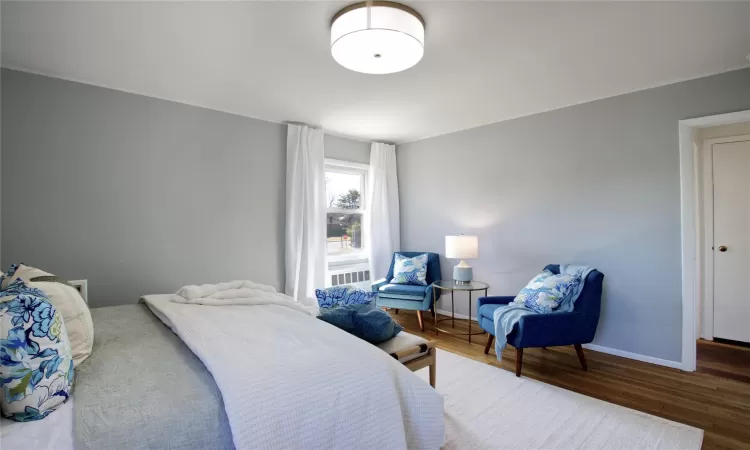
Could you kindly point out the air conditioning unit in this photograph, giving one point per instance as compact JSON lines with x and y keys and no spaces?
{"x":357,"y":275}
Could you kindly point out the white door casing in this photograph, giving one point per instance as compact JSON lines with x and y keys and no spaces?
{"x":691,"y":226}
{"x":731,"y":233}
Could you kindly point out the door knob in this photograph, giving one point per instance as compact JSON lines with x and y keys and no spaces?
{"x":722,"y":248}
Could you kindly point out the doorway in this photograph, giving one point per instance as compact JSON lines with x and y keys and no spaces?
{"x":726,"y":232}
{"x":700,"y":246}
{"x":724,"y":347}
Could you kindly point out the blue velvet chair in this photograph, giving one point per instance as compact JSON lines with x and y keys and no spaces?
{"x":549,"y":330}
{"x":406,"y":296}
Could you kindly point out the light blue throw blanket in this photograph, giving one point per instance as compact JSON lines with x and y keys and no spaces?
{"x":506,"y":317}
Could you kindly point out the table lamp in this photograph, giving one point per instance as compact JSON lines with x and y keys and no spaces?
{"x":462,"y":247}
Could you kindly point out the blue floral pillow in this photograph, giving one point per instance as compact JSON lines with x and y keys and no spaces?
{"x":343,"y":295}
{"x":547,"y":291}
{"x":410,"y":270}
{"x":36,"y":364}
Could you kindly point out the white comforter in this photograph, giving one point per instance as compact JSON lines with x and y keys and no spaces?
{"x":291,"y":381}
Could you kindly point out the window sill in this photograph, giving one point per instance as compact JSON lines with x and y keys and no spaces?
{"x":340,"y":263}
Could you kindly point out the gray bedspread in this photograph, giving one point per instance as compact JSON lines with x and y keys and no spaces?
{"x":142,"y":388}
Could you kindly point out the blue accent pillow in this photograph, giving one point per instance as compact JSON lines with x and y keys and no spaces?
{"x":410,"y":270}
{"x":364,"y":321}
{"x":547,"y":291}
{"x":343,"y":295}
{"x":36,"y":363}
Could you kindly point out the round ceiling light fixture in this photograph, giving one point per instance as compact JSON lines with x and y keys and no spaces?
{"x":377,"y":37}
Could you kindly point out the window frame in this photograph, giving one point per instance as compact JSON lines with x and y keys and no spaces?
{"x":352,"y":168}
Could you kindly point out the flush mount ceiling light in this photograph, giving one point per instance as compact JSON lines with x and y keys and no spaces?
{"x":377,"y":37}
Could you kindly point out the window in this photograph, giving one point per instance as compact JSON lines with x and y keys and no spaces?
{"x":345,"y":201}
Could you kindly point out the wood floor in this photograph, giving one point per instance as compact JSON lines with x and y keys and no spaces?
{"x":716,"y":398}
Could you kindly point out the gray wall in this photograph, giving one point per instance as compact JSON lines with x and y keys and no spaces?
{"x":347,"y":149}
{"x":139,"y":195}
{"x":594,"y":184}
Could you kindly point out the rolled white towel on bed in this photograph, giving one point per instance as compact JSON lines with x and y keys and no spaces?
{"x":220,"y":290}
{"x":237,"y":292}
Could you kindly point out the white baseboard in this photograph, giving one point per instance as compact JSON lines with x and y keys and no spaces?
{"x":602,"y":349}
{"x":458,"y":316}
{"x":635,"y":356}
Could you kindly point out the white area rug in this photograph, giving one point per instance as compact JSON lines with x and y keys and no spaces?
{"x":490,"y":408}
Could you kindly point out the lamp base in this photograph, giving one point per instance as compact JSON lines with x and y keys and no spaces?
{"x":463,"y":273}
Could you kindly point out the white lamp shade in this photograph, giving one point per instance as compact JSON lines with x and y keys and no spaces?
{"x":461,"y":247}
{"x":377,"y":39}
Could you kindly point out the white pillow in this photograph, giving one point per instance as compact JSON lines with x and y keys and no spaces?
{"x":68,"y":301}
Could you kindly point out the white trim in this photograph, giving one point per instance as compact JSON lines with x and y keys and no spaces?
{"x":363,"y":170}
{"x":706,"y":257}
{"x":568,"y":105}
{"x":635,"y":356}
{"x":691,"y":224}
{"x":458,"y":316}
{"x":233,"y":112}
{"x":600,"y":348}
{"x":707,"y":234}
{"x":340,"y":166}
{"x":361,"y":138}
{"x":347,"y":260}
{"x":83,"y":288}
{"x":346,"y":164}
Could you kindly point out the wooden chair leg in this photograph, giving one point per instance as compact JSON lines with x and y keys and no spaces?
{"x":433,"y":373}
{"x":519,"y":361}
{"x":581,"y":357}
{"x":489,"y":344}
{"x":419,"y":318}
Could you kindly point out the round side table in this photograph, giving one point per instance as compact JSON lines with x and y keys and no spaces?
{"x":452,"y":286}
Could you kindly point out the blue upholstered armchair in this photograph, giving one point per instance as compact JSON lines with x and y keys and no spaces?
{"x":549,"y":330}
{"x":406,"y":296}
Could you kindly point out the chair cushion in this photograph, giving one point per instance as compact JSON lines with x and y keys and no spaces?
{"x":402,"y":342}
{"x":403,"y":291}
{"x":487,"y":325}
{"x":410,"y":270}
{"x":546,"y":291}
{"x":488,"y":310}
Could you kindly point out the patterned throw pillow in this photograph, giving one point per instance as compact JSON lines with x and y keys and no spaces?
{"x":410,"y":270}
{"x":547,"y":291}
{"x":67,"y":300}
{"x":36,"y":365}
{"x":343,"y":295}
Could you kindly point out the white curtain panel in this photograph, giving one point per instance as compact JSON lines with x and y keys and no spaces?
{"x":382,"y":232}
{"x":305,"y":213}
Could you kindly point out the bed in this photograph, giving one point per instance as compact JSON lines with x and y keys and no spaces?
{"x":139,"y":389}
{"x":142,"y":388}
{"x":308,"y":384}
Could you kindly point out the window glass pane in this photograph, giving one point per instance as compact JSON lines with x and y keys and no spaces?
{"x":344,"y":233}
{"x":343,"y":190}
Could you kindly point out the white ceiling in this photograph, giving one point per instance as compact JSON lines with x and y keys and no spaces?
{"x":484,"y":61}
